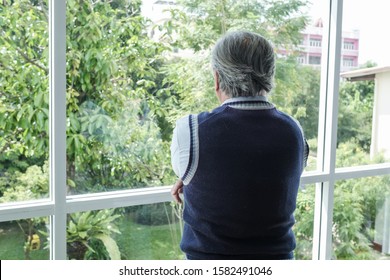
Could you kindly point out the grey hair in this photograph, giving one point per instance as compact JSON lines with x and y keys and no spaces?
{"x":245,"y":63}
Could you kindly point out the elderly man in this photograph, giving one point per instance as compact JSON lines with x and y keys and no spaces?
{"x":239,"y":165}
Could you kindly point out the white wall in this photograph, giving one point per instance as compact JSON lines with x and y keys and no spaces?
{"x":381,"y":115}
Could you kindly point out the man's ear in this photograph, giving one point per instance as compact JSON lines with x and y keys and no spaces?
{"x":216,"y":81}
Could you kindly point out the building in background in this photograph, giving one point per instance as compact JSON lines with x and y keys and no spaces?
{"x":310,"y":48}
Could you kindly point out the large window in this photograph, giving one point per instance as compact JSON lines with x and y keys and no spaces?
{"x":362,"y":118}
{"x":89,"y":94}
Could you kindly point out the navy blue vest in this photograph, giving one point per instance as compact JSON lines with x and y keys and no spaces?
{"x":241,"y":184}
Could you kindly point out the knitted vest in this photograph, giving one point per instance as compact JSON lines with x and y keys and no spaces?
{"x":241,"y":184}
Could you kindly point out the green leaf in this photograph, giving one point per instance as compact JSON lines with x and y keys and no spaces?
{"x":70,"y":183}
{"x":83,"y":234}
{"x":38,"y":99}
{"x":41,"y":119}
{"x":111,"y":246}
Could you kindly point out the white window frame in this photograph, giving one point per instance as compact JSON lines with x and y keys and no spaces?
{"x":58,"y":206}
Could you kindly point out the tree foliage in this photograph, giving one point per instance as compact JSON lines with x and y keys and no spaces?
{"x":278,"y":21}
{"x":113,"y":134}
{"x":356,"y":112}
{"x":23,"y":78}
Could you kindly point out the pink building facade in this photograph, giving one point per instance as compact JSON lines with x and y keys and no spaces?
{"x":310,"y":48}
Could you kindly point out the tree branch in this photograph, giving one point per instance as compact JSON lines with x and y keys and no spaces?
{"x":26,"y":57}
{"x":32,"y":61}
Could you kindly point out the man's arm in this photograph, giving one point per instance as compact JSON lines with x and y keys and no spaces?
{"x":180,"y":154}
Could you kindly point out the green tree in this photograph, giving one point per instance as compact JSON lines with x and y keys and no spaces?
{"x":113,"y":132}
{"x":356,"y":206}
{"x":113,"y":137}
{"x":32,"y":184}
{"x":23,"y":79}
{"x":356,"y":112}
{"x":113,"y":111}
{"x":279,"y":21}
{"x":189,"y":77}
{"x":297,"y":92}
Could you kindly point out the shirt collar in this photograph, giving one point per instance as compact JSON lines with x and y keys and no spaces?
{"x":249,"y":103}
{"x":245,"y":99}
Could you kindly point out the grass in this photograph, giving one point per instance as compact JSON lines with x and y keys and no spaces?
{"x":12,"y":243}
{"x":145,"y":242}
{"x":137,"y":242}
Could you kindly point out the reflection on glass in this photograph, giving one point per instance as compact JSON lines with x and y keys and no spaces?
{"x":303,"y":228}
{"x":361,"y":220}
{"x":297,"y":79}
{"x":24,"y":239}
{"x":146,"y":232}
{"x":363,"y":135}
{"x":23,"y":100}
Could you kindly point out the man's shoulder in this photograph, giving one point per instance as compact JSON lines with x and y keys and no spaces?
{"x":291,"y":120}
{"x":185,"y":120}
{"x":205,"y":116}
{"x":286,"y":116}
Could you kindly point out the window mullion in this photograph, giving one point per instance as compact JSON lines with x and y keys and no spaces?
{"x":57,"y":66}
{"x":322,"y":248}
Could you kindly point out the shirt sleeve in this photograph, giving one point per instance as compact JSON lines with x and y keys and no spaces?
{"x":180,"y":147}
{"x":306,"y":148}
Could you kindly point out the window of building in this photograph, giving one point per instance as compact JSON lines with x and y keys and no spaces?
{"x":348,"y":62}
{"x":315,"y":42}
{"x":349,"y":45}
{"x":315,"y":60}
{"x":301,"y":59}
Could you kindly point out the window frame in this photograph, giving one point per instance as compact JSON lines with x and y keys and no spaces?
{"x":58,"y":205}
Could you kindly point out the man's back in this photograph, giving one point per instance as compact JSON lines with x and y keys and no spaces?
{"x":239,"y":166}
{"x":241,"y":197}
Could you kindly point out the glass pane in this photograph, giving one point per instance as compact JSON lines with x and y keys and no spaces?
{"x":128,"y":81}
{"x":361,"y":219}
{"x":146,"y":232}
{"x":24,"y":100}
{"x":303,"y":228}
{"x":298,"y":76}
{"x":116,"y":135}
{"x":24,"y":239}
{"x":363,"y":134}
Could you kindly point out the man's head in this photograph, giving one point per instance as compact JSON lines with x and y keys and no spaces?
{"x":244,"y":63}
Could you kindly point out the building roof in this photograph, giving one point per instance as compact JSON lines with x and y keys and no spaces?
{"x":364,"y":74}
